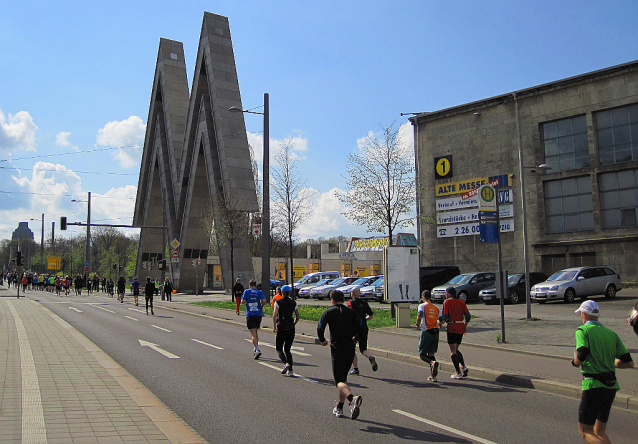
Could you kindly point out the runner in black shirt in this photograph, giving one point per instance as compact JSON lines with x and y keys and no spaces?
{"x":344,"y":324}
{"x":365,"y":313}
{"x":284,"y":325}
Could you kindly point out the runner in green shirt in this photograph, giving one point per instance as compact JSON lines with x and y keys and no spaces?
{"x":598,"y":352}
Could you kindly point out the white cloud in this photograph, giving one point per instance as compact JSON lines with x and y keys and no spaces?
{"x":115,"y":206}
{"x":326,"y":219}
{"x":126,"y":135}
{"x":256,"y":141}
{"x":17,"y":132}
{"x":405,"y":139}
{"x":62,"y":139}
{"x":49,"y":183}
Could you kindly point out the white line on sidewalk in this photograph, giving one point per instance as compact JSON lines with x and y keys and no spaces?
{"x":33,"y":425}
{"x":101,"y":308}
{"x":160,"y":328}
{"x":443,"y":427}
{"x":75,"y":309}
{"x":292,"y":349}
{"x":206,"y":343}
{"x":132,"y":318}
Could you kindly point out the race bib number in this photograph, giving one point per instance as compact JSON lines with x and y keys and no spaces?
{"x":253,"y":306}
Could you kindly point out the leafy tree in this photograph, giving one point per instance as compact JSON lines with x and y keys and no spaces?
{"x":380,"y":184}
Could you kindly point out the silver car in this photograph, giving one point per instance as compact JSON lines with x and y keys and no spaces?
{"x":305,"y":291}
{"x":360,"y":282}
{"x":578,"y":282}
{"x":370,"y":291}
{"x":323,"y":291}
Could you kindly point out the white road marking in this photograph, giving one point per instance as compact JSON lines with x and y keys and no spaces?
{"x":33,"y":425}
{"x":137,"y":310}
{"x":75,"y":309}
{"x":292,"y":349}
{"x":157,"y":349}
{"x":265,"y":364}
{"x":160,"y":328}
{"x":101,"y":308}
{"x":132,"y":318}
{"x":443,"y":427}
{"x":206,"y":343}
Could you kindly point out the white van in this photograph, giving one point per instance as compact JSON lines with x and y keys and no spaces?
{"x":310,"y":280}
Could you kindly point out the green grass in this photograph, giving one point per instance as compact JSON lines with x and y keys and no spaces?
{"x":382,"y":317}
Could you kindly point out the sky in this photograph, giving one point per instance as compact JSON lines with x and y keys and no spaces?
{"x":76,"y":79}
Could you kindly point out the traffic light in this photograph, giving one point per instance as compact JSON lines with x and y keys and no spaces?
{"x":120,"y":265}
{"x":161,"y":265}
{"x":63,"y":223}
{"x":115,"y":267}
{"x":19,"y":258}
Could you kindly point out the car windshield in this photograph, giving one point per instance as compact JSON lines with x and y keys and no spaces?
{"x":563,"y":275}
{"x":323,"y":282}
{"x":513,"y":279}
{"x":339,"y":281}
{"x":461,"y":279}
{"x":360,"y":281}
{"x":303,"y":280}
{"x":378,"y":282}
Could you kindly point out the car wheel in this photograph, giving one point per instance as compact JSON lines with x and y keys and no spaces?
{"x":570,"y":295}
{"x":611,"y":292}
{"x":513,"y":296}
{"x":541,"y":302}
{"x":463,"y":296}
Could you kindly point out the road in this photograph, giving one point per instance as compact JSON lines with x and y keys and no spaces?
{"x":203,"y":370}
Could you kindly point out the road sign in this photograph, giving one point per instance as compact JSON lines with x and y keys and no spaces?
{"x":487,"y":198}
{"x":175,"y":244}
{"x":54,"y":262}
{"x":86,"y":263}
{"x":86,"y":269}
{"x":174,"y":253}
{"x":175,"y":260}
{"x":256,"y":229}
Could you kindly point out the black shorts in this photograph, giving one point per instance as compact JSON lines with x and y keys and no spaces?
{"x":136,"y":292}
{"x":454,"y":338}
{"x":595,"y":404}
{"x":253,"y":321}
{"x":362,"y":339}
{"x":342,"y":356}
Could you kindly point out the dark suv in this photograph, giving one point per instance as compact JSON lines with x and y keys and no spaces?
{"x":515,"y":288}
{"x":467,"y":286}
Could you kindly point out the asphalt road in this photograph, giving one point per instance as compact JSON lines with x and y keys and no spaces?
{"x":204,"y":371}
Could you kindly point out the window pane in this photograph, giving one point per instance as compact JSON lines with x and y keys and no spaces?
{"x":608,"y":200}
{"x":627,"y":198}
{"x":605,"y":137}
{"x":633,"y":113}
{"x":628,"y":217}
{"x":584,"y":184}
{"x":621,"y":134}
{"x":566,"y":162}
{"x":568,"y":187}
{"x":555,"y":224}
{"x":553,"y":189}
{"x":623,"y":152}
{"x":585,"y":203}
{"x":570,"y":204}
{"x":580,"y":143}
{"x":586,"y":221}
{"x":608,"y":181}
{"x":564,"y":127}
{"x":549,"y":130}
{"x":579,"y":124}
{"x":581,"y":161}
{"x":603,"y":119}
{"x":565,"y":145}
{"x":606,"y":156}
{"x":620,"y":116}
{"x":610,"y":219}
{"x":571,"y":223}
{"x":551,"y":147}
{"x":626,"y":179}
{"x":554,"y":206}
{"x":553,"y":162}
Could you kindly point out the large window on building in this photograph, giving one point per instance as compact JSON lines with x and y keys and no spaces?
{"x":619,"y":198}
{"x":565,"y":143}
{"x":568,"y":205}
{"x":617,"y":134}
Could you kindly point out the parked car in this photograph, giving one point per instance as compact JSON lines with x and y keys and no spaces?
{"x":433,"y":276}
{"x":305,"y":291}
{"x":467,"y":285}
{"x":324,"y":290}
{"x":370,"y":291}
{"x":312,"y":279}
{"x":578,"y":282}
{"x":515,"y":288}
{"x":360,"y":282}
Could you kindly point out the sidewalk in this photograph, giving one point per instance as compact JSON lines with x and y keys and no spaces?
{"x":58,"y":387}
{"x":536,"y":355}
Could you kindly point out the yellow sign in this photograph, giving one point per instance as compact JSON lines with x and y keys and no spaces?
{"x":471,"y":184}
{"x":443,"y":167}
{"x":54,"y":262}
{"x":299,"y":272}
{"x":361,"y":271}
{"x":369,"y":244}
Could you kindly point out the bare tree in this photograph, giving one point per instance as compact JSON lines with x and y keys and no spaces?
{"x":380,"y":183}
{"x":291,"y":198}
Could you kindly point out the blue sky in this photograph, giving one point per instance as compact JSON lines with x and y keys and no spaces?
{"x":76,"y":77}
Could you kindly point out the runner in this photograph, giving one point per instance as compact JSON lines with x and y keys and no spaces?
{"x":429,"y":340}
{"x":365,"y":313}
{"x":284,"y":326}
{"x":168,"y":289}
{"x":121,"y":289}
{"x":598,"y":351}
{"x":149,"y":291}
{"x":238,"y":291}
{"x":278,"y":295}
{"x":456,"y":314}
{"x":78,"y":283}
{"x":344,"y":324}
{"x":58,"y":285}
{"x":255,"y":302}
{"x":135,"y":286}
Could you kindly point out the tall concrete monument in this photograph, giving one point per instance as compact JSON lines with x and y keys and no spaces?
{"x":196,"y":166}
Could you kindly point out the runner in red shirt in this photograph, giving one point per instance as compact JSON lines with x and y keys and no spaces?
{"x":457,"y":316}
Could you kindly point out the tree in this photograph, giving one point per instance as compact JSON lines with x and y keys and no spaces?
{"x":380,"y":184}
{"x":291,"y":198}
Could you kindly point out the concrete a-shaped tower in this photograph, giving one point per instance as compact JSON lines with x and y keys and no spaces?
{"x":196,"y":167}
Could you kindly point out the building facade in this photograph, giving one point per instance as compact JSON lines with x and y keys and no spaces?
{"x":582,"y":211}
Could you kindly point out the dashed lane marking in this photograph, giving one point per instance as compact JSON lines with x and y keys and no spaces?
{"x":444,"y":427}
{"x":133,"y":319}
{"x":75,"y":309}
{"x":206,"y":343}
{"x":292,"y":350}
{"x":101,"y":308}
{"x":297,"y":375}
{"x":161,"y":328}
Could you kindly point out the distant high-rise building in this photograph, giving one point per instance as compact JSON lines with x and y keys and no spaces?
{"x":22,"y":232}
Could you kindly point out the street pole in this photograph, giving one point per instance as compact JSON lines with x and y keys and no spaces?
{"x":88,"y":239}
{"x":42,"y":247}
{"x":265,"y":216}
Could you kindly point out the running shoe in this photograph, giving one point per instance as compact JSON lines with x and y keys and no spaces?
{"x":374,"y":364}
{"x":354,"y":407}
{"x":354,"y":371}
{"x":285,"y":369}
{"x":456,"y":376}
{"x":257,"y":354}
{"x":432,"y":378}
{"x":290,"y":373}
{"x":338,"y":412}
{"x":435,"y":369}
{"x":465,"y":371}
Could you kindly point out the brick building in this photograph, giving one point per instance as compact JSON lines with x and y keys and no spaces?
{"x":582,"y":211}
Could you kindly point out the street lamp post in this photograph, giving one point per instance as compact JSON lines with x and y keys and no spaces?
{"x":265,"y":211}
{"x":88,"y":235}
{"x":42,"y":268}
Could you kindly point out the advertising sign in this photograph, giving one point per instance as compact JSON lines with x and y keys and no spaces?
{"x":458,"y":203}
{"x":455,"y":217}
{"x":470,"y":229}
{"x":464,"y":186}
{"x":401,"y":274}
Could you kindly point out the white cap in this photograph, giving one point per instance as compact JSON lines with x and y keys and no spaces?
{"x":589,"y":307}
